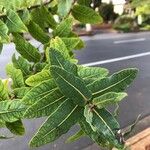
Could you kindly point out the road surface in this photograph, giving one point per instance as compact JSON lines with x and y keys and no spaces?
{"x":115,"y":52}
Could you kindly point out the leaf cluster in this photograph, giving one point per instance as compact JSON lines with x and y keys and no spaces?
{"x":49,"y":82}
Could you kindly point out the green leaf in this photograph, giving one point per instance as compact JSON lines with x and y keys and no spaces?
{"x":14,"y":23}
{"x":92,"y":72}
{"x":85,"y":2}
{"x":69,"y":83}
{"x":118,"y":82}
{"x":21,"y":92}
{"x":64,"y":7}
{"x":46,"y":105}
{"x":25,"y":16}
{"x":104,"y":123}
{"x":3,"y":92}
{"x":76,"y":136}
{"x":59,"y":45}
{"x":38,"y":78}
{"x":96,"y":137}
{"x":43,"y":18}
{"x":48,"y":17}
{"x":21,"y":64}
{"x":26,"y":49}
{"x":64,"y":28}
{"x":16,"y":76}
{"x":73,"y":43}
{"x":56,"y":58}
{"x":16,"y":127}
{"x":11,"y":111}
{"x":65,"y":116}
{"x":4,"y":38}
{"x":85,"y":14}
{"x":38,"y":33}
{"x":108,"y":99}
{"x":39,"y":92}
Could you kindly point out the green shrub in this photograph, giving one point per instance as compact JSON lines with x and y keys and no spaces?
{"x":50,"y":83}
{"x":125,"y":23}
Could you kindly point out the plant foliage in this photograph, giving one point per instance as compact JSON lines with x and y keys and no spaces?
{"x":49,"y":82}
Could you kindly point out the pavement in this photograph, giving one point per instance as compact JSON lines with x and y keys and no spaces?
{"x":113,"y":51}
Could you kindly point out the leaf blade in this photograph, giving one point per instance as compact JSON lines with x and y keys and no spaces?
{"x":85,"y":14}
{"x":54,"y":127}
{"x":14,"y":23}
{"x":26,"y":49}
{"x":115,"y":83}
{"x":68,"y":84}
{"x":108,"y":99}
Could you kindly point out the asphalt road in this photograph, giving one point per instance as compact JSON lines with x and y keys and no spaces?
{"x":115,"y":52}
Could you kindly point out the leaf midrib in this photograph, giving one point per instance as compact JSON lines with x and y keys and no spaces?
{"x":61,"y":122}
{"x":103,"y":122}
{"x":72,"y":86}
{"x":98,"y":92}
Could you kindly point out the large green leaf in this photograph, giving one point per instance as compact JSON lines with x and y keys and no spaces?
{"x":21,"y":64}
{"x":73,"y":43}
{"x":16,"y":127}
{"x":38,"y":78}
{"x":14,"y":23}
{"x":11,"y":111}
{"x":40,"y":92}
{"x":104,"y":123}
{"x":16,"y":76}
{"x":63,"y":118}
{"x":85,"y":14}
{"x":115,"y":83}
{"x":57,"y":59}
{"x":27,"y":50}
{"x":69,"y":83}
{"x":36,"y":31}
{"x":64,"y":7}
{"x":4,"y":38}
{"x":43,"y":18}
{"x":64,"y":28}
{"x":108,"y":99}
{"x":3,"y":92}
